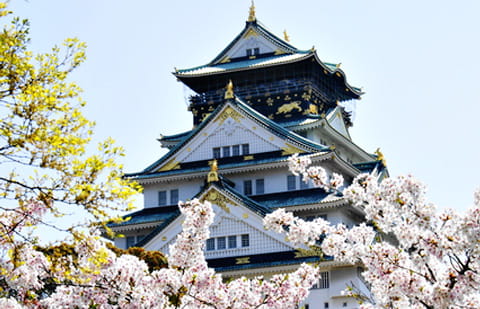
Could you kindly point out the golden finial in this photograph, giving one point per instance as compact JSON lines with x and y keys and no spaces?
{"x":380,"y":157}
{"x":229,"y":92}
{"x":213,"y":175}
{"x":337,"y":66}
{"x":285,"y":35}
{"x":251,"y":14}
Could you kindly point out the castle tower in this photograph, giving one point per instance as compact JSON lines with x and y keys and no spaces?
{"x":259,"y":101}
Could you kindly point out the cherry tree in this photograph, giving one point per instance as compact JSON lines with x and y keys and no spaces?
{"x":415,"y":255}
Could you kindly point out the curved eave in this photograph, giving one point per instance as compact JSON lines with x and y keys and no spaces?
{"x":268,"y":62}
{"x":356,"y":92}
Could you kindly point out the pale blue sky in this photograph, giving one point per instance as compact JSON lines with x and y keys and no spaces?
{"x":418,"y":62}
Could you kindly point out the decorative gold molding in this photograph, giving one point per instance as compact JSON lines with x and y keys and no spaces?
{"x":245,"y":216}
{"x":300,"y":253}
{"x":313,"y":109}
{"x":250,"y":32}
{"x":246,"y":158}
{"x":288,"y":107}
{"x":170,"y":165}
{"x":229,"y":112}
{"x":215,"y":197}
{"x":225,"y":59}
{"x":279,"y":52}
{"x":242,"y":260}
{"x":289,"y":149}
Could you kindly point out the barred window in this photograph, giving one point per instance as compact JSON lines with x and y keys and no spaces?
{"x":162,"y":198}
{"x":323,"y":282}
{"x":226,"y":151}
{"x":245,"y":240}
{"x":216,"y":153}
{"x":174,"y":196}
{"x":221,"y":243}
{"x":247,"y":187}
{"x":291,"y":182}
{"x":210,"y":244}
{"x":235,"y":150}
{"x":259,"y":186}
{"x":245,"y":149}
{"x":232,"y":242}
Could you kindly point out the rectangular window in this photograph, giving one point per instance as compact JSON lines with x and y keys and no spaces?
{"x":232,"y":241}
{"x":162,"y":198}
{"x":221,"y":243}
{"x":256,"y":51}
{"x":249,"y":52}
{"x":216,"y":153}
{"x":245,"y":240}
{"x":210,"y":244}
{"x":226,"y":151}
{"x":259,"y":186}
{"x":247,"y":187}
{"x":130,"y":241}
{"x":245,"y":149}
{"x":174,"y":197}
{"x":291,"y":182}
{"x":326,"y":306}
{"x":323,"y":281}
{"x":235,"y":150}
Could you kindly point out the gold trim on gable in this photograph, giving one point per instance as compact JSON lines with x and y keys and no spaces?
{"x":170,"y":165}
{"x":215,"y":197}
{"x":250,"y":33}
{"x":229,"y":112}
{"x":289,"y":149}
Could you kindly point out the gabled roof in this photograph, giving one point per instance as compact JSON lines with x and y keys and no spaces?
{"x":300,"y":143}
{"x":262,"y":31}
{"x":223,"y":188}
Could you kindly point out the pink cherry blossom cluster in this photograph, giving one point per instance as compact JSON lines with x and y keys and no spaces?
{"x":97,"y":278}
{"x":415,"y":256}
{"x":300,"y":166}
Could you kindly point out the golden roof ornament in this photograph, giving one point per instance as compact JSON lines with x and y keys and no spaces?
{"x":229,"y":92}
{"x":213,"y":174}
{"x":251,"y":13}
{"x":285,"y":35}
{"x":380,"y":157}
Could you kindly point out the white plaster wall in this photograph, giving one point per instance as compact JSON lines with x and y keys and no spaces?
{"x":236,"y":134}
{"x":186,"y":190}
{"x":239,"y":50}
{"x":339,"y":278}
{"x":260,"y":241}
{"x":275,"y":179}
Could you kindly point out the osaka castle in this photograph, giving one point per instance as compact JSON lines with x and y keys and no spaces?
{"x":259,"y":101}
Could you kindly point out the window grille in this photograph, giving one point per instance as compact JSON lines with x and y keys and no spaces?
{"x":221,"y":243}
{"x":232,"y":241}
{"x":235,"y":150}
{"x":216,"y":153}
{"x":245,"y":240}
{"x":226,"y":151}
{"x":174,"y":196}
{"x":210,"y":244}
{"x":162,"y":198}
{"x":259,"y":186}
{"x":245,"y":149}
{"x":247,"y":187}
